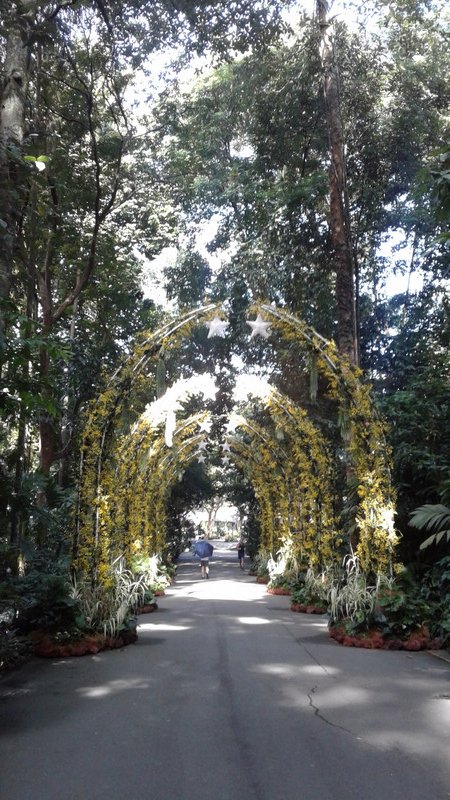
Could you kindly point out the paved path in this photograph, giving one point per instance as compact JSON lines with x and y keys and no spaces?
{"x":227,"y":696}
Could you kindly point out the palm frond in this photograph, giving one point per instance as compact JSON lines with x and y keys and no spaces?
{"x":434,"y":518}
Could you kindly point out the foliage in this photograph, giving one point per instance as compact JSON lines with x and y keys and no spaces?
{"x":434,"y":518}
{"x":441,"y":187}
{"x":279,"y":582}
{"x":403,"y":608}
{"x":107,"y":607}
{"x":38,"y":600}
{"x":313,"y":589}
{"x":93,"y":194}
{"x":436,"y":591}
{"x":156,"y":576}
{"x":354,"y":599}
{"x":411,"y":356}
{"x":398,"y":607}
{"x":261,"y":563}
{"x":364,"y":441}
{"x":279,"y":576}
{"x":130,"y":470}
{"x":14,"y":649}
{"x":262,"y":174}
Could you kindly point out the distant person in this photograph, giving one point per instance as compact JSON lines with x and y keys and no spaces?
{"x":241,"y":553}
{"x":203,"y":550}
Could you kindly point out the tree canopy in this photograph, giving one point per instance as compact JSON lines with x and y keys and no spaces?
{"x":245,"y":138}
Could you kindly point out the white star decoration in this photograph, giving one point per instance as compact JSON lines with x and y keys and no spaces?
{"x":202,"y":446}
{"x":225,"y":460}
{"x":216,"y":327}
{"x":226,"y":448}
{"x":259,"y":327}
{"x":205,"y":426}
{"x":234,"y":422}
{"x":201,"y":458}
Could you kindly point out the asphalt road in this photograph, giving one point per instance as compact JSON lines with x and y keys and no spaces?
{"x":227,"y":696}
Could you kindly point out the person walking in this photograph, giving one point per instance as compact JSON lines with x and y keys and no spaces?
{"x":241,"y":553}
{"x":203,"y":550}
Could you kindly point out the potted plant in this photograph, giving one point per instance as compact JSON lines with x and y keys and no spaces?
{"x":390,"y":614}
{"x":149,"y":604}
{"x":310,"y":595}
{"x":279,"y":584}
{"x":261,"y":567}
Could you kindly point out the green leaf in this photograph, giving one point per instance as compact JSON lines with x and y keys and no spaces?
{"x":431,"y":517}
{"x":435,"y":539}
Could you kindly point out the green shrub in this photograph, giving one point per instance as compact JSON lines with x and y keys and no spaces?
{"x":108,"y":607}
{"x":40,"y":600}
{"x":396,"y":607}
{"x":311,"y":589}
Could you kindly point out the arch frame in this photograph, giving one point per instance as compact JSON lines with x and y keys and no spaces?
{"x":363,"y":435}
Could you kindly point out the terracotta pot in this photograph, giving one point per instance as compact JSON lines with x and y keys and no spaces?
{"x":90,"y":644}
{"x":148,"y":608}
{"x":374,"y":640}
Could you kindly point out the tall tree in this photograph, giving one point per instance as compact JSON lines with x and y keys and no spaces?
{"x":13,"y":100}
{"x":339,"y":217}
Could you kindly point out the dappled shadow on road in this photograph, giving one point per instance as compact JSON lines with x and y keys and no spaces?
{"x":385,"y":699}
{"x":290,"y":670}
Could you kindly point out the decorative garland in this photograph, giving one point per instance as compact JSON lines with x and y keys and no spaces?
{"x":105,"y":422}
{"x":127,"y":469}
{"x":364,"y":439}
{"x":257,"y":462}
{"x":315,"y":531}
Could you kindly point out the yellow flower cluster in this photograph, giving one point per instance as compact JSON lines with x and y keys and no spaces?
{"x":264,"y":469}
{"x":122,"y":491}
{"x":314,"y":529}
{"x":364,"y":439}
{"x":127,"y":471}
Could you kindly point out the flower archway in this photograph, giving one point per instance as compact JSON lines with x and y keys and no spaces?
{"x":132,"y":454}
{"x":297,"y":501}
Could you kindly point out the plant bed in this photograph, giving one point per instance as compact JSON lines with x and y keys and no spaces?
{"x":48,"y":645}
{"x":159,"y":592}
{"x":374,"y":639}
{"x":14,"y":651}
{"x":302,"y":608}
{"x":283,"y":590}
{"x":262,"y":579}
{"x":148,"y":608}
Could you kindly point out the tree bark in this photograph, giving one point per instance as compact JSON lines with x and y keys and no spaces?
{"x":12,"y":121}
{"x":338,"y":219}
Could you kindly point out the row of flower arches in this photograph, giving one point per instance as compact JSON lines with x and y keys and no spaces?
{"x":133,"y":453}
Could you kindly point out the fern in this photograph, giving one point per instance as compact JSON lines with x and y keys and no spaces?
{"x":435,"y":518}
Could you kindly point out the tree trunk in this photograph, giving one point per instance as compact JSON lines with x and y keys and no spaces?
{"x":46,"y":424}
{"x":338,"y":219}
{"x":212,"y":513}
{"x":22,"y":458}
{"x":12,"y":120}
